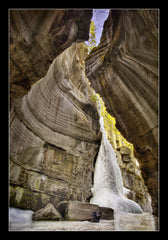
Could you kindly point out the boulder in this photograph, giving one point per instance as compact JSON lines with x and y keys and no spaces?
{"x":47,"y":213}
{"x":107,"y":213}
{"x":79,"y":211}
{"x":61,"y":207}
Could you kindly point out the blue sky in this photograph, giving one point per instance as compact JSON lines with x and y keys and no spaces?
{"x":99,"y":16}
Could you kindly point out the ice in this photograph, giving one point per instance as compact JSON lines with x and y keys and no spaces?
{"x":19,"y":218}
{"x":108,"y":188}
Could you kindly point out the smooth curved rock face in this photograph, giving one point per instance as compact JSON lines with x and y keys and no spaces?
{"x":123,"y":69}
{"x":54,"y":136}
{"x":36,"y":38}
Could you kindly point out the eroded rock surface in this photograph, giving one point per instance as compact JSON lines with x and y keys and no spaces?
{"x":54,"y":127}
{"x":54,"y":137}
{"x":123,"y":69}
{"x":36,"y":38}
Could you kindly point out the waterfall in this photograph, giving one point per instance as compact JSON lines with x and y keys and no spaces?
{"x":108,"y":186}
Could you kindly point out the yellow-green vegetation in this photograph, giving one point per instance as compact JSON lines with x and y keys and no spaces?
{"x":114,"y":136}
{"x":92,"y":36}
{"x":95,"y":98}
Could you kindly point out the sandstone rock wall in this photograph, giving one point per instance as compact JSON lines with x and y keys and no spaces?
{"x":123,"y":69}
{"x":54,"y":137}
{"x":54,"y":127}
{"x":36,"y":38}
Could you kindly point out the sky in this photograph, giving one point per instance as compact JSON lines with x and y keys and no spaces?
{"x":99,"y":16}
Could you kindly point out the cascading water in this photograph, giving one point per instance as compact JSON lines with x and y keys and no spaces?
{"x":108,"y":186}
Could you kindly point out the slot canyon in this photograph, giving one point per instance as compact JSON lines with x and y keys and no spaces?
{"x":62,"y":157}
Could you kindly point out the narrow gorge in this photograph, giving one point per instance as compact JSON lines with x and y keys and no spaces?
{"x":59,"y":153}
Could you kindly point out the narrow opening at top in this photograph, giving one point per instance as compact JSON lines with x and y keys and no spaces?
{"x":96,"y":27}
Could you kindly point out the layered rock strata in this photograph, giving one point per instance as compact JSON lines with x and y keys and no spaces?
{"x":54,"y":127}
{"x":36,"y":38}
{"x":123,"y":69}
{"x":54,"y":136}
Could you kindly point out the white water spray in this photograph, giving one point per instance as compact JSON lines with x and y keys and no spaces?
{"x":108,"y":186}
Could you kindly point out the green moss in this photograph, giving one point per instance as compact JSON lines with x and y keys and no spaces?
{"x":94,"y":98}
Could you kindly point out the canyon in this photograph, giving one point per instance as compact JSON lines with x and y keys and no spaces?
{"x":55,"y":132}
{"x":123,"y":69}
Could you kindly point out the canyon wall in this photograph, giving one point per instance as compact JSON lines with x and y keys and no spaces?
{"x":36,"y":38}
{"x":123,"y":69}
{"x":54,"y":137}
{"x":54,"y":126}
